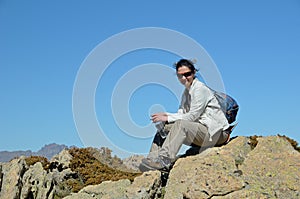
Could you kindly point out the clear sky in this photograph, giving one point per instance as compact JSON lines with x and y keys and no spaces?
{"x":255,"y":46}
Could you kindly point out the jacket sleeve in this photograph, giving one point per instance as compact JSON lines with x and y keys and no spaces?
{"x":200,"y":97}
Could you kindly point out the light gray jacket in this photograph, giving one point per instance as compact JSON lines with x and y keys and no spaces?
{"x":198,"y":104}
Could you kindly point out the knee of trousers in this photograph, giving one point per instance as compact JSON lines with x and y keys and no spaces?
{"x":180,"y":125}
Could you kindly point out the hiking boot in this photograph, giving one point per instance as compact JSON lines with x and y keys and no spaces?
{"x":160,"y":163}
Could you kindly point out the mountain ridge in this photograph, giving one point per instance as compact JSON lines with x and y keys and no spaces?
{"x":47,"y":151}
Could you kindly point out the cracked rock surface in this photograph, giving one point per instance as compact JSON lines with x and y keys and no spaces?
{"x":266,"y":167}
{"x":270,"y":170}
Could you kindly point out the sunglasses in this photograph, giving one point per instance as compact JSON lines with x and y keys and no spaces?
{"x":187,"y":74}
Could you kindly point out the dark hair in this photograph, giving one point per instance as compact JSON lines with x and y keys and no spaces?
{"x":187,"y":63}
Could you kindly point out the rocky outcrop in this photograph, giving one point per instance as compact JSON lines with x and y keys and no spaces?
{"x":11,"y":182}
{"x":21,"y":180}
{"x":270,"y":170}
{"x":257,"y":167}
{"x":145,"y":186}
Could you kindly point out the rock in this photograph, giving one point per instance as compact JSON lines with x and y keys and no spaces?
{"x":208,"y":174}
{"x":270,"y":170}
{"x":133,"y":162}
{"x":143,"y":187}
{"x":12,"y":174}
{"x":39,"y":183}
{"x":107,"y":189}
{"x":260,"y":167}
{"x":1,"y":177}
{"x":63,"y":159}
{"x":35,"y":184}
{"x":18,"y":180}
{"x":80,"y":196}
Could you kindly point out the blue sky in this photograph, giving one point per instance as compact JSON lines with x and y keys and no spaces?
{"x":254,"y":44}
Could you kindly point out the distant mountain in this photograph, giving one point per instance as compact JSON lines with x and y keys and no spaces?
{"x":48,"y":151}
{"x":6,"y":156}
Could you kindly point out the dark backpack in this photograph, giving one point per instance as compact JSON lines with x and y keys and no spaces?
{"x":228,"y":105}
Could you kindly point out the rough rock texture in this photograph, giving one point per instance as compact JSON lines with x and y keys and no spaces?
{"x":63,"y":158}
{"x":143,"y":187}
{"x":270,"y":170}
{"x":133,"y":162}
{"x":12,"y":174}
{"x":18,"y":180}
{"x":263,"y":167}
{"x":32,"y":180}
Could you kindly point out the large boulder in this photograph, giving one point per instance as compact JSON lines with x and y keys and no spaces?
{"x":20,"y":180}
{"x":36,"y":184}
{"x":11,"y":178}
{"x":270,"y":170}
{"x":146,"y":186}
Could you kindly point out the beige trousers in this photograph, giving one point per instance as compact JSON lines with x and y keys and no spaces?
{"x":183,"y":132}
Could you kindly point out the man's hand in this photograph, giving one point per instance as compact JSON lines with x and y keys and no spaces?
{"x":159,"y":117}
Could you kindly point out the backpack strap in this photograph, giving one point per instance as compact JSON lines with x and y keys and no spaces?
{"x":230,"y":128}
{"x":228,"y":131}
